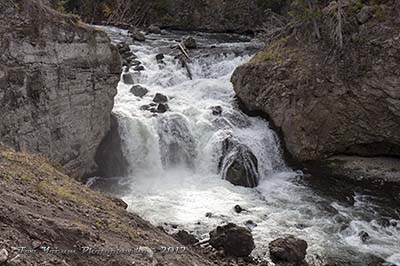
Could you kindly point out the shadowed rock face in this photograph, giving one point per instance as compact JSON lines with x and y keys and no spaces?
{"x":58,"y":78}
{"x":325,"y":104}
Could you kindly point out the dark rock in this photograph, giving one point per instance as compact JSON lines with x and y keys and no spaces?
{"x":109,"y":155}
{"x":239,"y":165}
{"x":160,"y":56}
{"x":238,"y":209}
{"x":139,"y":91}
{"x":160,"y":98}
{"x":154,"y":29}
{"x":127,"y":78}
{"x":393,"y":223}
{"x":364,"y":236}
{"x":216,"y":110}
{"x":288,"y":250}
{"x":209,"y":214}
{"x":162,"y":108}
{"x":185,"y":238}
{"x":190,"y":43}
{"x":234,"y":240}
{"x":383,"y":222}
{"x":138,"y":68}
{"x":250,"y":224}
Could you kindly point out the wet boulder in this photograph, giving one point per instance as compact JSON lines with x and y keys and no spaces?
{"x":190,"y":43}
{"x":288,"y":250}
{"x":138,"y":68}
{"x":239,"y":165}
{"x":139,"y":91}
{"x":162,"y":108}
{"x":185,"y":238}
{"x":154,"y":29}
{"x":136,"y":34}
{"x":160,"y":98}
{"x":127,"y":78}
{"x":216,"y":110}
{"x":160,"y":58}
{"x":235,"y":240}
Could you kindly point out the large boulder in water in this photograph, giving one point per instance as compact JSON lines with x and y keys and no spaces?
{"x":177,"y":143}
{"x":239,"y":165}
{"x":235,"y":240}
{"x":288,"y":250}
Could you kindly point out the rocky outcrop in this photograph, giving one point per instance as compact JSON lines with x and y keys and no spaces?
{"x":43,"y":207}
{"x":326,"y":100}
{"x":58,"y":78}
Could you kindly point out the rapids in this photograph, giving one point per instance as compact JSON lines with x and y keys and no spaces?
{"x":174,"y":176}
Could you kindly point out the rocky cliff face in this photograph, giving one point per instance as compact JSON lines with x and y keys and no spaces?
{"x":58,"y":78}
{"x":328,"y":101}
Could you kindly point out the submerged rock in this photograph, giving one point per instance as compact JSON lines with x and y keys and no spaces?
{"x":235,"y":240}
{"x":139,"y":91}
{"x":288,"y":250}
{"x":185,"y":238}
{"x":190,"y":43}
{"x":239,"y":165}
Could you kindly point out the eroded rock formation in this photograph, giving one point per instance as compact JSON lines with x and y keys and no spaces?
{"x":58,"y":78}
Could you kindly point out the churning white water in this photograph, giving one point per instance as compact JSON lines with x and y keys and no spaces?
{"x":174,"y":177}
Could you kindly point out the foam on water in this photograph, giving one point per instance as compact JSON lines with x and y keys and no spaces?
{"x":173,"y":157}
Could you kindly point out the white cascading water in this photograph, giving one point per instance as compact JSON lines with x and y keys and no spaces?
{"x":174,"y":160}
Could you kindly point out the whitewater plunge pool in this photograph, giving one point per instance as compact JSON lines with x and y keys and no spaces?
{"x":174,"y":178}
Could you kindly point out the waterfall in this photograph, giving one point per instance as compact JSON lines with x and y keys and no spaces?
{"x":181,"y":160}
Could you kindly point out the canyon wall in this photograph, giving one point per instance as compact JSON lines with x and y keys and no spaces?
{"x":58,"y":79}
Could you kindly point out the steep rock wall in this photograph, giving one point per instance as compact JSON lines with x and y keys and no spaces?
{"x":58,"y":79}
{"x":327,"y":101}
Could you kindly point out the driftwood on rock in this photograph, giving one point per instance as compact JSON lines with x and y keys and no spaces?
{"x":185,"y":59}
